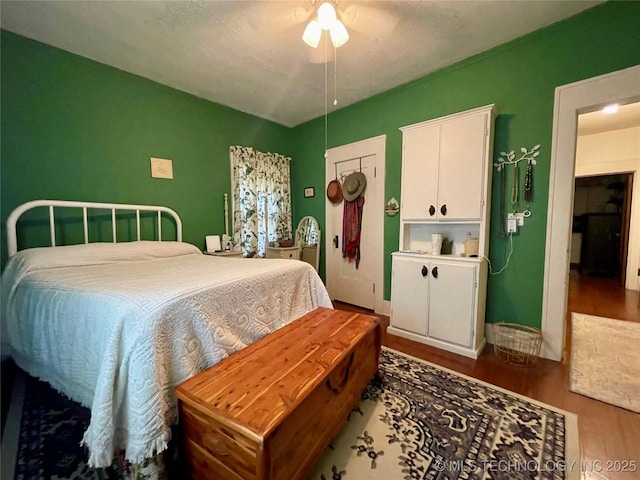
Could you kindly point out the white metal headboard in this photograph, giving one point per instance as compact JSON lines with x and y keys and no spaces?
{"x":12,"y":241}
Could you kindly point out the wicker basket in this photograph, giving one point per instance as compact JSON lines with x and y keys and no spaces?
{"x":517,"y":344}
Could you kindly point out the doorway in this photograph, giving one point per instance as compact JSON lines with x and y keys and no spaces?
{"x":600,"y":229}
{"x":571,"y":100}
{"x":363,"y":285}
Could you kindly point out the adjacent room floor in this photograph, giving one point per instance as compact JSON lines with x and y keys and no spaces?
{"x":599,"y":296}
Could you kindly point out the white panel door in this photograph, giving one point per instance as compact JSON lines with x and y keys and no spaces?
{"x":420,"y":172}
{"x":409,"y":295}
{"x":452,"y":299}
{"x":462,"y":168}
{"x":345,"y":282}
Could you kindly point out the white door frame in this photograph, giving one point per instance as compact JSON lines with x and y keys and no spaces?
{"x":363,"y":148}
{"x":571,"y":100}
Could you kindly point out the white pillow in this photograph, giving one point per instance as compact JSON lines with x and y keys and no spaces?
{"x":97,"y":253}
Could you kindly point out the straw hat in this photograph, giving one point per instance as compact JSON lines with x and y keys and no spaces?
{"x":334,"y":191}
{"x":353,"y":186}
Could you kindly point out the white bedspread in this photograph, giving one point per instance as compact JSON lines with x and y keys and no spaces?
{"x":117,"y":326}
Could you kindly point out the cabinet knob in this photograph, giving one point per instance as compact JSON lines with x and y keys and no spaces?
{"x":432,"y":210}
{"x":425,"y":271}
{"x":443,"y":209}
{"x":434,"y":272}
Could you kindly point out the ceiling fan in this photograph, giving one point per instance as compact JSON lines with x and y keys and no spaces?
{"x":337,"y":19}
{"x":326,"y":19}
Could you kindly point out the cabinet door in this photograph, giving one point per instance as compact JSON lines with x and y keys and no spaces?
{"x":420,"y":172}
{"x":452,"y":300}
{"x":462,"y":168}
{"x":409,"y":292}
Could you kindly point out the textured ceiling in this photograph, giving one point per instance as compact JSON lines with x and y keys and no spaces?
{"x":249,"y":55}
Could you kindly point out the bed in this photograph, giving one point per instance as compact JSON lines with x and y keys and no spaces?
{"x":116,"y":326}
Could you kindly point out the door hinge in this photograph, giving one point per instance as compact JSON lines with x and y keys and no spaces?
{"x":374,"y":288}
{"x":639,"y":272}
{"x":375,"y":170}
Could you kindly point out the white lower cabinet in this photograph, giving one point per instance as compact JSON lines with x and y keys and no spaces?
{"x":439,"y":302}
{"x":409,"y":296}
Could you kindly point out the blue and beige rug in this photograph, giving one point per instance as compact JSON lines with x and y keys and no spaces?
{"x":419,"y":422}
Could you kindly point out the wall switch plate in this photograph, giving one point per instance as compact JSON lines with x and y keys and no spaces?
{"x":518,"y":217}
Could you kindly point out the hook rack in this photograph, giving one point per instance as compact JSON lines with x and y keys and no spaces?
{"x":343,"y":176}
{"x":510,"y":159}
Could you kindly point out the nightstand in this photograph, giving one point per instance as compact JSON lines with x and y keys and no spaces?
{"x":232,"y":253}
{"x":283,"y":252}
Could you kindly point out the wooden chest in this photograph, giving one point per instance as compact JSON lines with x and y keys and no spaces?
{"x":270,"y":410}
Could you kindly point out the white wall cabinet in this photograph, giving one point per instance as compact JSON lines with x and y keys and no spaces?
{"x":446,"y":177}
{"x":444,"y":166}
{"x":420,"y":151}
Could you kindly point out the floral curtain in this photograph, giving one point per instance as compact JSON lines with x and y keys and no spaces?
{"x":261,"y":199}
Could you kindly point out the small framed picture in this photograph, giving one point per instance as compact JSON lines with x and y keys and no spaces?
{"x":309,"y":192}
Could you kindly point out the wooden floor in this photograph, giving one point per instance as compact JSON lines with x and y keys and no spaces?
{"x":607,"y":433}
{"x":602,"y":297}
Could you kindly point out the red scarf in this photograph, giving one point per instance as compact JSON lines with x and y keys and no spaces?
{"x":351,"y":227}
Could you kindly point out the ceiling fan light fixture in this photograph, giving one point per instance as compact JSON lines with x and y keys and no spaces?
{"x":312,"y":33}
{"x":326,"y":15}
{"x":339,"y":34}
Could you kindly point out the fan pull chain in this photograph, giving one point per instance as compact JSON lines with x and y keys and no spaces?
{"x":335,"y":76}
{"x":326,"y":108}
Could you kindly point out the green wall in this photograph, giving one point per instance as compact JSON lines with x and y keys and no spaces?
{"x":520,"y":78}
{"x":75,"y":129}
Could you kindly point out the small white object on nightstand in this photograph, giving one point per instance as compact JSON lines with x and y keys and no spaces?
{"x":213,"y":243}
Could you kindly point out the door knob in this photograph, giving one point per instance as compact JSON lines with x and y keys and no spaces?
{"x":443,"y":209}
{"x":425,"y":271}
{"x":434,"y":272}
{"x":336,"y":241}
{"x":432,"y":210}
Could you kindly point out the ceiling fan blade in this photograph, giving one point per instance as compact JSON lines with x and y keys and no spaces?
{"x":276,"y":16}
{"x":291,"y":17}
{"x":366,"y":19}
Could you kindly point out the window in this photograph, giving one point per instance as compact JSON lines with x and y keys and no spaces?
{"x":261,"y":200}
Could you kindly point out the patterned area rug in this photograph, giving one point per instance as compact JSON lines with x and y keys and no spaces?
{"x":419,"y":422}
{"x":605,"y":362}
{"x":50,"y":434}
{"x":425,"y":422}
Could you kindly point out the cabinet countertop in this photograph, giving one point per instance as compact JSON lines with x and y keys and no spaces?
{"x":445,"y":257}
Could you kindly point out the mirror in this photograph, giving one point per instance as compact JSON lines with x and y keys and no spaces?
{"x":308,"y":240}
